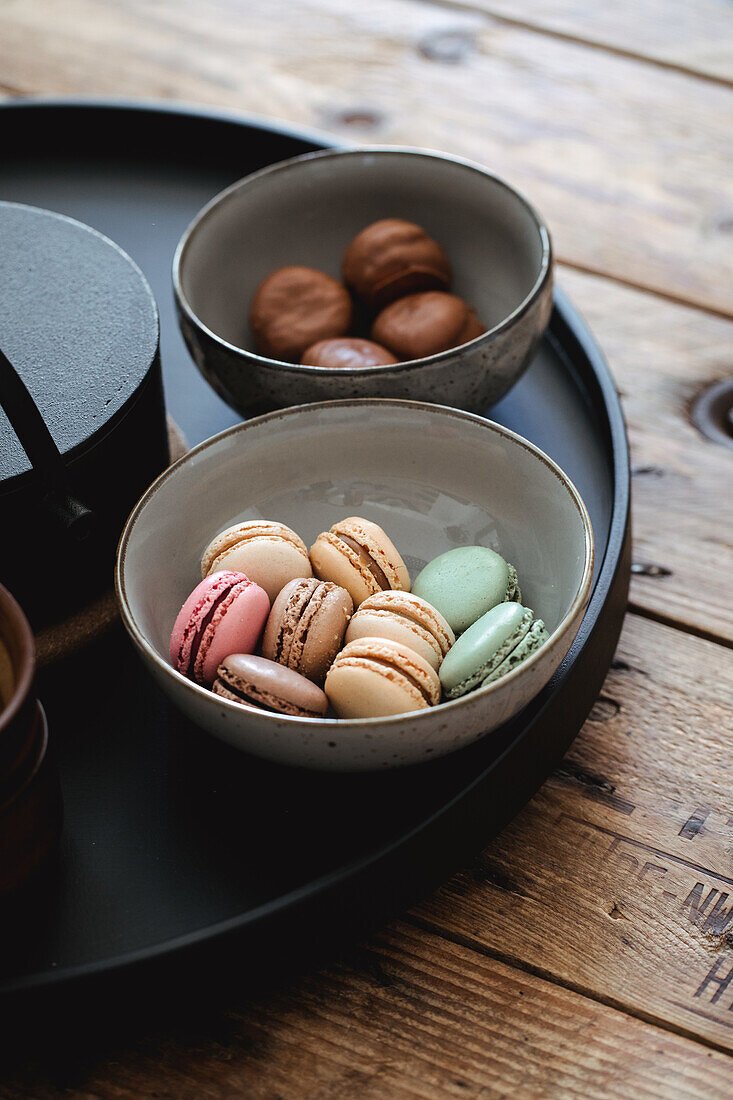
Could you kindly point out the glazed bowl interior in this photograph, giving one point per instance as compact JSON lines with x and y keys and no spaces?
{"x":433,"y":477}
{"x":306,"y":211}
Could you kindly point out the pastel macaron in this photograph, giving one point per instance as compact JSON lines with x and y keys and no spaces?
{"x":406,"y":618}
{"x":224,"y":614}
{"x":270,"y":554}
{"x":375,"y":677}
{"x":494,"y":645}
{"x":463,"y":584}
{"x":358,"y":555}
{"x":246,"y":678}
{"x":306,"y":625}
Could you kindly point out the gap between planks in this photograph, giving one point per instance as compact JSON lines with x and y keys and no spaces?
{"x":580,"y":40}
{"x":645,"y":288}
{"x":468,"y":942}
{"x":676,"y":624}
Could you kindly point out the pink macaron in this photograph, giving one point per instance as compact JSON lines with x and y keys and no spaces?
{"x":225,"y":613}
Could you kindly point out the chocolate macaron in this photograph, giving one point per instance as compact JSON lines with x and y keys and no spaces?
{"x":391,"y":258}
{"x":306,"y":626}
{"x":424,"y":324}
{"x":246,"y":678}
{"x":296,"y":306}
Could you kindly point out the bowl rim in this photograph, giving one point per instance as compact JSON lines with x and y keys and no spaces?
{"x":576,"y":608}
{"x":293,"y":163}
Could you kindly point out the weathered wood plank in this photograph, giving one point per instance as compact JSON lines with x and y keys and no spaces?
{"x":618,"y":879}
{"x":695,"y":37}
{"x":662,"y":355}
{"x":407,"y":1016}
{"x":630,"y":163}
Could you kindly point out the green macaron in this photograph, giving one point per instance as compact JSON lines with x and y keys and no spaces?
{"x":465,"y":583}
{"x":494,"y":645}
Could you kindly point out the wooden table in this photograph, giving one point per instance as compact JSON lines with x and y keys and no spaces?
{"x":589,"y":950}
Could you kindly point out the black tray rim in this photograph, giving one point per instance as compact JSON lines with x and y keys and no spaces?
{"x":572,"y":340}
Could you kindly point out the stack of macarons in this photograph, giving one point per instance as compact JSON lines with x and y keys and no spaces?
{"x":297,"y":631}
{"x":399,"y":277}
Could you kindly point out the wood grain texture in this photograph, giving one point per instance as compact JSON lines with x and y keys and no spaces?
{"x":407,"y":1015}
{"x":662,"y":356}
{"x":617,"y":879}
{"x":586,"y":948}
{"x":630,"y":164}
{"x":695,"y":37}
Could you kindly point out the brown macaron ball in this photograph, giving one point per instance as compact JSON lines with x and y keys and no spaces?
{"x":347,"y":351}
{"x":424,"y":324}
{"x":295,"y":307}
{"x":391,"y":258}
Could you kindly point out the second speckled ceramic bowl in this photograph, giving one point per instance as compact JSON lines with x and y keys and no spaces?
{"x":306,"y":211}
{"x":433,"y":478}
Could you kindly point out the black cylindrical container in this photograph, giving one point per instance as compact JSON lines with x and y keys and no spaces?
{"x":79,"y":324}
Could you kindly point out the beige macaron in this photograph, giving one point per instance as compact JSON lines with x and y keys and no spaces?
{"x":269,"y":553}
{"x":406,"y":618}
{"x":357,"y":554}
{"x":374,"y":677}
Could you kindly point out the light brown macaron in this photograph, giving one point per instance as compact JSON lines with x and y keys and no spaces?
{"x":405,"y":618}
{"x":424,"y":324}
{"x":391,"y":258}
{"x":268,"y":553}
{"x":358,"y":555}
{"x":296,"y":306}
{"x":374,"y":677}
{"x":347,"y":352}
{"x":246,"y":678}
{"x":306,"y":625}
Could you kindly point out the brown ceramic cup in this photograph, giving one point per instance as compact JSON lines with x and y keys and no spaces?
{"x":30,"y":800}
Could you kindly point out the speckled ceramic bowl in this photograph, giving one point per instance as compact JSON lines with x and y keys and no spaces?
{"x":306,"y":211}
{"x":434,"y":478}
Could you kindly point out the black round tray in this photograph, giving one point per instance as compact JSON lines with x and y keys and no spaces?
{"x":173,"y":841}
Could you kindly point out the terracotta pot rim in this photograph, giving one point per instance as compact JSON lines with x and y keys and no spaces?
{"x":39,"y":750}
{"x":11,"y":610}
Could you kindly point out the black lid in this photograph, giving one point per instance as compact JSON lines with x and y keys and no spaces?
{"x":78,"y":322}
